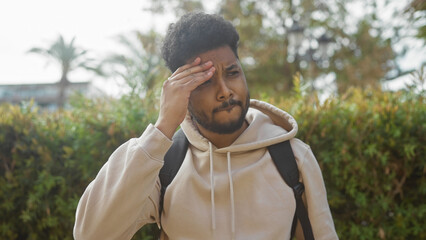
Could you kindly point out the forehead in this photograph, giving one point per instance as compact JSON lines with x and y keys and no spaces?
{"x":219,"y":56}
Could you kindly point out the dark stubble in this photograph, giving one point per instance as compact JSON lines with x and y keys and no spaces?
{"x":221,"y":128}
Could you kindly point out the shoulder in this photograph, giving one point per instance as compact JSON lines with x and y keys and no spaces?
{"x":302,"y":151}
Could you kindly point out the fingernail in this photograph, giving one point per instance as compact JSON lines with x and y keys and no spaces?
{"x":196,"y":59}
{"x":207,"y":63}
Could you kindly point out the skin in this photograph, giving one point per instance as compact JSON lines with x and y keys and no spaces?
{"x":204,"y":84}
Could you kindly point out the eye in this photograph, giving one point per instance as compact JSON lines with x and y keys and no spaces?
{"x":233,"y":73}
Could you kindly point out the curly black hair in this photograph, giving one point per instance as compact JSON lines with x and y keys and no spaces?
{"x":196,"y":33}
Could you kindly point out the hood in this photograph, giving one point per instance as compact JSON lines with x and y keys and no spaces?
{"x":268,"y":125}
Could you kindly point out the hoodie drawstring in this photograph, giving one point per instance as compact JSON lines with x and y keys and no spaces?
{"x":231,"y":193}
{"x":212,"y":187}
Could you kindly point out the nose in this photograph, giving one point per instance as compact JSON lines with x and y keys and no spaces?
{"x":223,"y":91}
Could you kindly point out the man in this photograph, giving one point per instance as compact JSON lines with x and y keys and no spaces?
{"x":228,"y":186}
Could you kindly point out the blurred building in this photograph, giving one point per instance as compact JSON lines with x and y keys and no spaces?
{"x":45,"y":95}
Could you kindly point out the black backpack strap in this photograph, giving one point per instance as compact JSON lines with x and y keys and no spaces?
{"x":284,"y":160}
{"x":172,"y":162}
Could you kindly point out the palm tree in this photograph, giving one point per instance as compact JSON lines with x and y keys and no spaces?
{"x":140,"y":65}
{"x":69,"y":57}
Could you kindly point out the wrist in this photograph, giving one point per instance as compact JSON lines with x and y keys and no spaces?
{"x":167,"y":129}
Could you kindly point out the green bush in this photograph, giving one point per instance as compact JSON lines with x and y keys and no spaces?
{"x":371,"y":149}
{"x":48,"y":159}
{"x":370,"y":146}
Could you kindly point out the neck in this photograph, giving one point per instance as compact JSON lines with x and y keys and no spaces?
{"x":221,"y":140}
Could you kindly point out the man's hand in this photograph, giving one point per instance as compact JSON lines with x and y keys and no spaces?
{"x":176,"y":91}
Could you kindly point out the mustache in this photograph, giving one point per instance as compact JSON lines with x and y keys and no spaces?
{"x":230,"y":102}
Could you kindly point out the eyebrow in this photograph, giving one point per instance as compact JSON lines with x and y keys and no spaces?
{"x":231,"y":67}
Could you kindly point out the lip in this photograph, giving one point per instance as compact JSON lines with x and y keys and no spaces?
{"x":228,"y":109}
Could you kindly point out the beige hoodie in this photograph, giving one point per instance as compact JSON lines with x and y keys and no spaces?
{"x":229,"y":193}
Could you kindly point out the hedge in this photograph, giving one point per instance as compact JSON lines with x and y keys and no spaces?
{"x":371,"y":149}
{"x":370,"y":146}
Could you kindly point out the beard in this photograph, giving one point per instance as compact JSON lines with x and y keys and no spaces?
{"x":221,"y":128}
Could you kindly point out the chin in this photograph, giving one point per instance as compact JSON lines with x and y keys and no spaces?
{"x":228,"y":127}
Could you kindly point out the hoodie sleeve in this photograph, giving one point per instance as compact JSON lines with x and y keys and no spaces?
{"x":125,"y":194}
{"x":315,"y":194}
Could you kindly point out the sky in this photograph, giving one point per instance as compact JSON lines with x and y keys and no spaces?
{"x":95,"y":23}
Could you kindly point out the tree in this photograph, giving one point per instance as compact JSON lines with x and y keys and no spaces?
{"x":140,"y":66}
{"x":69,"y":57}
{"x":364,"y":62}
{"x":364,"y":51}
{"x":176,"y":7}
{"x":357,"y":57}
{"x":417,"y":15}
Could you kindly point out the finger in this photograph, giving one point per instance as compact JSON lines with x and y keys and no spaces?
{"x":193,"y":70}
{"x":195,"y":82}
{"x":205,"y":74}
{"x":196,"y":61}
